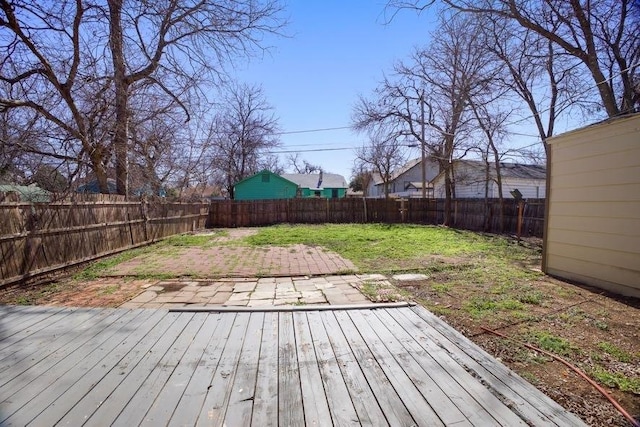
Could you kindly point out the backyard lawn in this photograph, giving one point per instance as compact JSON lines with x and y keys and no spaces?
{"x":472,"y":280}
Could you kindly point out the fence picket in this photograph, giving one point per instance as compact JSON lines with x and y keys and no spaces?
{"x":469,"y":213}
{"x":43,"y":237}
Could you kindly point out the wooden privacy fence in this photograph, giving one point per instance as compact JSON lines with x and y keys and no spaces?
{"x":43,"y":237}
{"x":470,"y":214}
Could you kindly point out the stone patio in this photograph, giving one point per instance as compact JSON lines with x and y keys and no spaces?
{"x":256,"y":292}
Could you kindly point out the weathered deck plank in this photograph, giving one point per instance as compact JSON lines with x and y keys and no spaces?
{"x":382,"y":366}
{"x":395,"y":412}
{"x":340,"y":404}
{"x":153,"y":348}
{"x":107,"y":398}
{"x":364,"y":401}
{"x":57,"y":379}
{"x":314,"y":400}
{"x":238,"y":411}
{"x":43,"y":335}
{"x":451,"y":378}
{"x":479,"y":399}
{"x":221,"y":386}
{"x":290,"y":411}
{"x":526,"y":399}
{"x":265,"y":400}
{"x":156,"y":374}
{"x":190,"y":404}
{"x":19,"y":319}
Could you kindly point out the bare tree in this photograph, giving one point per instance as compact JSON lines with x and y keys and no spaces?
{"x":549,"y":83}
{"x":432,"y":90}
{"x":603,"y":35}
{"x":302,"y":165}
{"x":361,"y":178}
{"x":66,"y":58}
{"x":492,"y":126}
{"x":242,"y":135}
{"x":383,"y":155}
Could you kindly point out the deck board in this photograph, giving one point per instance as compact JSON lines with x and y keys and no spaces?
{"x":190,"y":404}
{"x":364,"y":401}
{"x":526,"y":400}
{"x":221,"y":387}
{"x":58,"y":379}
{"x":395,"y":412}
{"x":265,"y":399}
{"x":373,"y":366}
{"x":290,"y":411}
{"x":337,"y":394}
{"x":115,"y":389}
{"x":314,"y":400}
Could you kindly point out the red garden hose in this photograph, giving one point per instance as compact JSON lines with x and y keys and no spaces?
{"x":614,"y":402}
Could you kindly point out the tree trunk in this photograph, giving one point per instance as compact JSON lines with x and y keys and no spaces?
{"x":121,"y":86}
{"x":447,"y":199}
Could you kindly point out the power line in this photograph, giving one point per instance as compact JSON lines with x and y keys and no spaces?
{"x":315,"y":150}
{"x":311,"y":130}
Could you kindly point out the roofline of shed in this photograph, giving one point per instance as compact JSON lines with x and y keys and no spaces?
{"x":607,"y":121}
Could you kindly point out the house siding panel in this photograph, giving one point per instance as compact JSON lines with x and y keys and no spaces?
{"x":253,"y":188}
{"x":593,"y":227}
{"x":616,"y":209}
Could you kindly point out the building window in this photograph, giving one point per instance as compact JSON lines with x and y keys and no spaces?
{"x":266,"y":177}
{"x":334,"y":193}
{"x":317,"y":193}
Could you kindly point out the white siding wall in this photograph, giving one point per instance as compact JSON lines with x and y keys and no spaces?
{"x":593,"y":228}
{"x":530,"y":189}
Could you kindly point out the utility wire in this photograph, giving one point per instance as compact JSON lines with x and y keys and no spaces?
{"x":310,"y":130}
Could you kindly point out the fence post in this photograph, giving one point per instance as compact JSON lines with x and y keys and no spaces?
{"x":520,"y":212}
{"x":364,"y":202}
{"x":402,"y":210}
{"x":145,"y":217}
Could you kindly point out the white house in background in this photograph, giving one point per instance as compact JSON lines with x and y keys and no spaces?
{"x":406,"y":181}
{"x":471,"y":177}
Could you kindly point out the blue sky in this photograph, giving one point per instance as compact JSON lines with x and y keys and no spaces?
{"x":337,"y":51}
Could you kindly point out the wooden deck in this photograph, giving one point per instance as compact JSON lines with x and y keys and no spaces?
{"x":387,"y":366}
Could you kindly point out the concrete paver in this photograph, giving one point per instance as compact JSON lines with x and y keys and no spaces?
{"x":269,"y":291}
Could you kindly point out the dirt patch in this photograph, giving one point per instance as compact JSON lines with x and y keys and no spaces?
{"x":71,"y":293}
{"x":595,"y":332}
{"x":229,"y":234}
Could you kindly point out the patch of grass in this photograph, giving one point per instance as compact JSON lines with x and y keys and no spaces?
{"x":616,"y":379}
{"x":483,"y":305}
{"x":511,"y":304}
{"x":478,"y":305}
{"x":24,"y":300}
{"x":148,"y":275}
{"x":441,"y":288}
{"x":109,"y":290}
{"x":551,"y":343}
{"x":98,"y":268}
{"x":462,"y":256}
{"x":602,"y":325}
{"x":381,"y":292}
{"x":616,"y":352}
{"x":189,"y":240}
{"x":370,"y":290}
{"x":531,"y":296}
{"x":530,"y":377}
{"x":573,"y":315}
